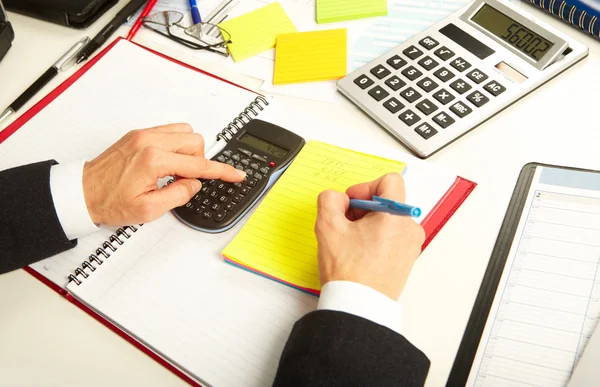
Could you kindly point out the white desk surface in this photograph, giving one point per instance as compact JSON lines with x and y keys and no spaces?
{"x":46,"y":341}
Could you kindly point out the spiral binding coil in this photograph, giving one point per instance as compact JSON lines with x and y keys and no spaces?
{"x":118,"y":239}
{"x":243,"y":118}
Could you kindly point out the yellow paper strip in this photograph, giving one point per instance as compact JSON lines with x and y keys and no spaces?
{"x":310,"y":56}
{"x":256,"y":31}
{"x":279,"y":238}
{"x":329,"y":11}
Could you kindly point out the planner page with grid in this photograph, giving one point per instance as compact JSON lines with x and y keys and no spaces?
{"x":129,"y":88}
{"x":548,"y":300}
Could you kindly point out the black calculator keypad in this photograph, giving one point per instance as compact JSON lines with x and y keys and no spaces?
{"x":412,"y":52}
{"x":426,"y":107}
{"x":477,"y":98}
{"x":444,"y":53}
{"x":443,"y":96}
{"x":426,"y":131}
{"x":477,"y":76}
{"x":363,"y":81}
{"x":380,"y":71}
{"x":409,"y":117}
{"x":460,"y":64}
{"x":396,"y":62}
{"x":410,"y":94}
{"x":427,"y":84}
{"x":393,"y":105}
{"x":395,"y":83}
{"x":494,"y":88}
{"x":460,"y":86}
{"x":460,"y":109}
{"x":443,"y":120}
{"x":378,"y":93}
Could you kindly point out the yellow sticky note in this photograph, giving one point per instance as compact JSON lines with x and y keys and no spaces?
{"x":256,"y":31}
{"x":329,"y":11}
{"x":310,"y":56}
{"x":279,"y":240}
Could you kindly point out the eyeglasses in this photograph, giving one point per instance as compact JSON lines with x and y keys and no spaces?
{"x":201,"y":36}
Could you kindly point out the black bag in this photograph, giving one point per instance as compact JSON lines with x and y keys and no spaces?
{"x":6,"y":33}
{"x":70,"y":13}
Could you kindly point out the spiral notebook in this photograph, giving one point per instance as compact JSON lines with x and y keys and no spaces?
{"x":163,"y":286}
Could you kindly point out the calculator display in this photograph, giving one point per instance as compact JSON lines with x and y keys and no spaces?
{"x":263,"y":145}
{"x":515,"y":34}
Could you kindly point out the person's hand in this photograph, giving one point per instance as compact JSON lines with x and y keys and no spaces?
{"x":374,"y":249}
{"x":120,"y":185}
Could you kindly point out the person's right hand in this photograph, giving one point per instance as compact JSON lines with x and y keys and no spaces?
{"x":120,"y":185}
{"x":374,"y":249}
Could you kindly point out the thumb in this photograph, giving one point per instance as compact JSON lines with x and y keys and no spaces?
{"x":174,"y":195}
{"x":331,"y":210}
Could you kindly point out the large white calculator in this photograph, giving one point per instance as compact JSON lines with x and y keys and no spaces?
{"x":443,"y":82}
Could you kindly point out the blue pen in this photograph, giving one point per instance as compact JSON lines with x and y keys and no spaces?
{"x":380,"y":204}
{"x":195,"y":12}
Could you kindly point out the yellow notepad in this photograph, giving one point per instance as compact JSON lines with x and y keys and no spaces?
{"x":329,"y":11}
{"x":279,"y":240}
{"x":256,"y":31}
{"x":310,"y":56}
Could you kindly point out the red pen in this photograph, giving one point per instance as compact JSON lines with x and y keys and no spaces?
{"x":138,"y":23}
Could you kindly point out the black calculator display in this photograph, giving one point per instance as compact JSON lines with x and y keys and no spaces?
{"x":263,"y":151}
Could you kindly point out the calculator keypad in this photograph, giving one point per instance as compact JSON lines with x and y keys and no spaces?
{"x":419,"y":85}
{"x":217,"y":199}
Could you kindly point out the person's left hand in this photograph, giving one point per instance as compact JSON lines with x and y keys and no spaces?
{"x":120,"y":185}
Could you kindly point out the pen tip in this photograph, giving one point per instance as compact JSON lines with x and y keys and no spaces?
{"x":81,"y":59}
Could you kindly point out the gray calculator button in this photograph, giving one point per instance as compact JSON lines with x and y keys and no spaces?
{"x":254,"y":166}
{"x":189,"y":206}
{"x":227,"y":153}
{"x":237,"y":199}
{"x":206,"y":202}
{"x":244,"y":151}
{"x":412,"y":52}
{"x":239,"y":166}
{"x":380,"y":71}
{"x":215,"y":206}
{"x":236,"y":157}
{"x":231,"y":190}
{"x":426,"y":131}
{"x":460,"y":64}
{"x":212,"y":182}
{"x":213,"y":194}
{"x":230,"y":162}
{"x":363,"y":81}
{"x":237,"y":184}
{"x":245,"y":161}
{"x":411,"y":73}
{"x":395,"y":83}
{"x":428,"y":63}
{"x":259,"y":158}
{"x":197,"y":197}
{"x":198,"y":210}
{"x":444,"y":53}
{"x":221,"y":158}
{"x":443,"y":120}
{"x":229,"y":206}
{"x":427,"y":107}
{"x":396,"y":62}
{"x":258,"y":176}
{"x":245,"y":191}
{"x":460,"y":109}
{"x":221,"y":186}
{"x":264,"y":170}
{"x":204,"y":189}
{"x":477,"y":76}
{"x":443,"y":96}
{"x":223,"y":198}
{"x":494,"y":88}
{"x":393,"y":105}
{"x":409,"y":117}
{"x":428,"y":43}
{"x":249,"y":172}
{"x":444,"y":74}
{"x":410,"y":94}
{"x":477,"y":98}
{"x":378,"y":93}
{"x":427,"y":84}
{"x":252,"y":183}
{"x":460,"y":86}
{"x":207,"y":214}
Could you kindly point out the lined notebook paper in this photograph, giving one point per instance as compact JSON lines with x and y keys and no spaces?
{"x":256,"y":31}
{"x":278,"y":241}
{"x":310,"y":56}
{"x":329,"y":11}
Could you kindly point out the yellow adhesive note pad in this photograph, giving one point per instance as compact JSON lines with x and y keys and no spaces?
{"x":256,"y":31}
{"x":329,"y":11}
{"x":279,"y":240}
{"x":310,"y":56}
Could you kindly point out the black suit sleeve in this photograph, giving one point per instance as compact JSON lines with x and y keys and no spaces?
{"x":328,"y":348}
{"x":29,"y":227}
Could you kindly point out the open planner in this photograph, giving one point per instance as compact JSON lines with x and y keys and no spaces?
{"x":539,"y":301}
{"x":163,"y":286}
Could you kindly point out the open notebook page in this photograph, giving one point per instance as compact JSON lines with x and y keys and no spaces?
{"x":169,"y":287}
{"x":129,"y":88}
{"x":547,"y":304}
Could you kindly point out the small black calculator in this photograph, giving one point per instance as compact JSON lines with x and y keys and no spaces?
{"x":263,"y":151}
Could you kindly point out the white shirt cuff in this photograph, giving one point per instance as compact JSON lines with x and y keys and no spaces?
{"x":66,"y":186}
{"x":362,"y":301}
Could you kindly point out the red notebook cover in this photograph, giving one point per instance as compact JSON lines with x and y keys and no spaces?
{"x":432,"y":224}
